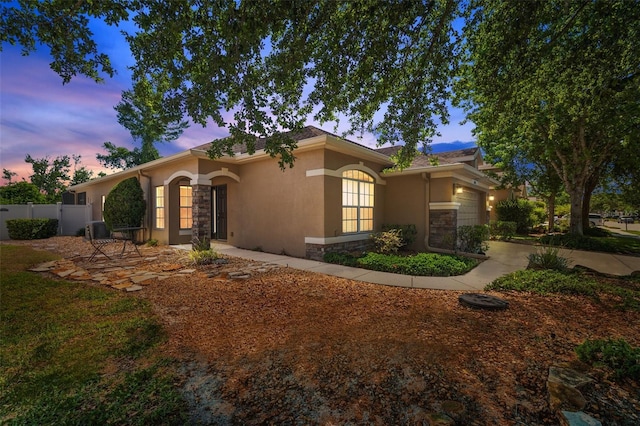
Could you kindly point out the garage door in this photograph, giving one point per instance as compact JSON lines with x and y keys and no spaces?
{"x":468,"y":211}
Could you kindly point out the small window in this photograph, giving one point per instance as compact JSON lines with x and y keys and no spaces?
{"x":103,"y":199}
{"x":82,"y":198}
{"x":358,"y":191}
{"x":185,"y":207}
{"x":160,"y":207}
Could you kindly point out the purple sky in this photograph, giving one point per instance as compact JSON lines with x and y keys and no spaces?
{"x":41,"y":117}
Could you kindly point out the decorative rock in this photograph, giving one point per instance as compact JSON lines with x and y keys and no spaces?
{"x":439,"y":419}
{"x":482,"y":301}
{"x":570,"y":418}
{"x":565,"y":396}
{"x":66,"y":273}
{"x":187,"y":271}
{"x":453,"y":408}
{"x":121,"y":286}
{"x":568,"y":377}
{"x":134,"y":288}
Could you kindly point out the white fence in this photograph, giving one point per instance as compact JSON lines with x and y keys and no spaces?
{"x":71,"y":218}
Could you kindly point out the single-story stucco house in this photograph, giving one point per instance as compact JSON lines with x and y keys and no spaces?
{"x":335,"y":196}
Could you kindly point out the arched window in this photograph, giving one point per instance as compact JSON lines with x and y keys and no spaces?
{"x":358,"y":190}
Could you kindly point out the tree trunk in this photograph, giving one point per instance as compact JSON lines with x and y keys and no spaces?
{"x":575,"y":225}
{"x":589,"y":187}
{"x":552,"y":210}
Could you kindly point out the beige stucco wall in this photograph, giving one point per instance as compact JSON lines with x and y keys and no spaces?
{"x":272,"y":209}
{"x":405,"y":204}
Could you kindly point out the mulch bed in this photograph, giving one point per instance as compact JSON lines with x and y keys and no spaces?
{"x":293,"y":347}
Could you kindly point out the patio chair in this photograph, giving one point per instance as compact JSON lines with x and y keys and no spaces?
{"x":99,"y":237}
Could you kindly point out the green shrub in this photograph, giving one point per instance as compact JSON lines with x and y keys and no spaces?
{"x":408,"y":233}
{"x":387,"y":242}
{"x":152,"y":242}
{"x":203,"y":257}
{"x":341,"y":259}
{"x":616,"y":354}
{"x":473,"y":238}
{"x":548,"y":258}
{"x":577,"y":242}
{"x":200,"y":245}
{"x":545,"y":282}
{"x":597,"y":232}
{"x":502,"y":230}
{"x":538,"y":215}
{"x":518,"y":211}
{"x":31,"y":229}
{"x":422,"y":264}
{"x":124,"y":205}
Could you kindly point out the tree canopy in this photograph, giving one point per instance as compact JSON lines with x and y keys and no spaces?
{"x":140,"y":111}
{"x":556,"y":83}
{"x":271,"y":64}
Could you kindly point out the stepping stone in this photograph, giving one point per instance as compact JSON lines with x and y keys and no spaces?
{"x":41,"y":269}
{"x":134,"y":288}
{"x":139,"y":279}
{"x":66,"y":273}
{"x":579,"y":419}
{"x":483,"y":301}
{"x":187,"y":271}
{"x":121,"y":286}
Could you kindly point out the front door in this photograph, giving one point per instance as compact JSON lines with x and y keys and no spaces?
{"x":219,"y":210}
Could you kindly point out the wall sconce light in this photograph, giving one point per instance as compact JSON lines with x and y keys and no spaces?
{"x":457,"y":189}
{"x":491,"y":198}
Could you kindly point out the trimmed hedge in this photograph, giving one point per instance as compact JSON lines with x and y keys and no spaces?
{"x":422,"y":264}
{"x":32,"y":229}
{"x":124,"y":205}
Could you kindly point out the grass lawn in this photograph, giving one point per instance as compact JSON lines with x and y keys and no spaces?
{"x":73,"y":353}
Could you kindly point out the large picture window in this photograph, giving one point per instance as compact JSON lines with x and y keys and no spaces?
{"x":160,"y":207}
{"x":186,"y":217}
{"x":358,"y":190}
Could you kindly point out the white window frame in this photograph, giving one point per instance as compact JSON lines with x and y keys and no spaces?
{"x":186,"y":206}
{"x":160,"y":212}
{"x":358,"y":201}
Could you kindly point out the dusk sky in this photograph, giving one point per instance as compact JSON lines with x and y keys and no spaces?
{"x":42,"y":117}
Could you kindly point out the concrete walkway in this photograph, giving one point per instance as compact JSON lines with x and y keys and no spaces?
{"x":503,"y":258}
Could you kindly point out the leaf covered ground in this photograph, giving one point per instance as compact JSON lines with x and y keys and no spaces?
{"x":293,"y":347}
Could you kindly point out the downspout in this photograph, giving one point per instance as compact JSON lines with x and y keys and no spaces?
{"x":427,"y":196}
{"x":148,"y":215}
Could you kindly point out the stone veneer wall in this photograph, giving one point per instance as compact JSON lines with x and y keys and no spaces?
{"x":201,"y":212}
{"x":317,"y":251}
{"x":443,"y":228}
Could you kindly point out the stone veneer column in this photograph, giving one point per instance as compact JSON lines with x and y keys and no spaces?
{"x":201,"y":212}
{"x":443,"y":228}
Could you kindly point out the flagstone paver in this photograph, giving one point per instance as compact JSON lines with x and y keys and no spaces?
{"x":133,"y":273}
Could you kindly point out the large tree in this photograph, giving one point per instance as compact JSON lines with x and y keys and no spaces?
{"x":140,"y":111}
{"x":556,"y":81}
{"x":272,"y":63}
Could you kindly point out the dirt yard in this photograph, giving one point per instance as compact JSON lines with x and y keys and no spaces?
{"x":292,"y":347}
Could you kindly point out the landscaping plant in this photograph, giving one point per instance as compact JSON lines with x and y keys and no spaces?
{"x":387,"y":242}
{"x":616,"y":354}
{"x":473,"y":239}
{"x":548,"y":258}
{"x":125,"y":205}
